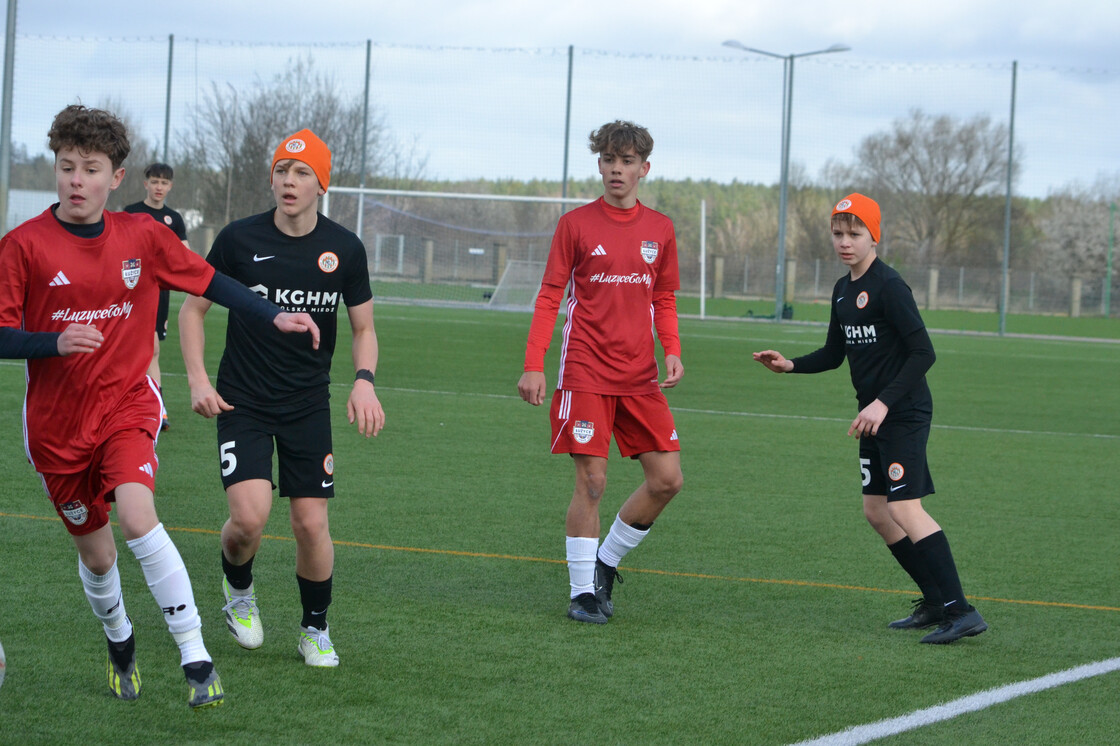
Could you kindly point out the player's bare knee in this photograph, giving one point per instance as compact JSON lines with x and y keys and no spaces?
{"x":674,"y":485}
{"x":664,"y":487}
{"x":241,"y":533}
{"x":873,"y":515}
{"x":883,"y":525}
{"x":593,"y":484}
{"x":310,"y":528}
{"x":99,"y":562}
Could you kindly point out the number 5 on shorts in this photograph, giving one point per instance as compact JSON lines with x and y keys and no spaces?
{"x":863,"y":464}
{"x":229,"y":460}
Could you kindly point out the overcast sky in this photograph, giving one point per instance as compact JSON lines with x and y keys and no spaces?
{"x":1076,"y":33}
{"x":953,"y":57}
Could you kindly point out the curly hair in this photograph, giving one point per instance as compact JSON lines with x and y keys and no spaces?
{"x":90,"y":131}
{"x":618,"y":136}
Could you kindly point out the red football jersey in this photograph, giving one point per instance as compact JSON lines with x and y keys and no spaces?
{"x":613,"y":262}
{"x":49,"y":279}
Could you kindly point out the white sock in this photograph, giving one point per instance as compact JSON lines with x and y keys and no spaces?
{"x":581,"y":564}
{"x":171,"y":587}
{"x":191,"y":647}
{"x":620,"y":540}
{"x":104,"y":594}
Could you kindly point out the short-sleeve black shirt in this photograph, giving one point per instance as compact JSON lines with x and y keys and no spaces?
{"x":311,"y":273}
{"x":164,"y":215}
{"x":875,"y":323}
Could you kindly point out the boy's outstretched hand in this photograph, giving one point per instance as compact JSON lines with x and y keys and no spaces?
{"x":296,"y":323}
{"x":773,"y":360}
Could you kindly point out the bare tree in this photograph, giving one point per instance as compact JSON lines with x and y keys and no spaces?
{"x":226,"y":152}
{"x":807,"y":217}
{"x":31,"y":172}
{"x":938,"y":179}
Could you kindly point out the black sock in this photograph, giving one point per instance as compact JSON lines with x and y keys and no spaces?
{"x":911,"y":561}
{"x":239,"y":576}
{"x":934,"y":549}
{"x":316,"y":597}
{"x":199,"y":671}
{"x":123,"y":652}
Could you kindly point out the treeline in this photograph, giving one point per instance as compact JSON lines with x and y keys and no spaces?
{"x":940,"y":180}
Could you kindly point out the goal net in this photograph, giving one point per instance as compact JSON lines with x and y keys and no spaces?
{"x":517,"y":290}
{"x":441,"y":248}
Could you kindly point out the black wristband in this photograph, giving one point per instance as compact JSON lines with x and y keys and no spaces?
{"x":365,"y":374}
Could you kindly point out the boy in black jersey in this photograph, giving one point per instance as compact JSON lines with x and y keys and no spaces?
{"x":158,"y":180}
{"x":270,"y":390}
{"x":875,"y":324}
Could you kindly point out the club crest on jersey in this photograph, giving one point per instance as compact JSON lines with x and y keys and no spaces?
{"x":167,"y":219}
{"x":130,"y":272}
{"x":583,"y":431}
{"x":649,"y":251}
{"x":861,"y":300}
{"x":328,"y":464}
{"x":895,"y":471}
{"x":74,"y":512}
{"x":328,"y":261}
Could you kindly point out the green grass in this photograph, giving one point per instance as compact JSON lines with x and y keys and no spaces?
{"x":442,"y":292}
{"x":948,"y":320}
{"x":813,"y":312}
{"x":754,"y":613}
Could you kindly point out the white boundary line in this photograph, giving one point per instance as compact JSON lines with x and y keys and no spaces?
{"x":866,"y":733}
{"x":715,"y":412}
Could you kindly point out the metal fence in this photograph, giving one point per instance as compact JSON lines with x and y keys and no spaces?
{"x":499,"y":114}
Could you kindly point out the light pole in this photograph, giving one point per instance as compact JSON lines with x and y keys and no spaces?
{"x":783,"y":199}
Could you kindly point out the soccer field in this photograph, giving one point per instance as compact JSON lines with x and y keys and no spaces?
{"x":755,"y":612}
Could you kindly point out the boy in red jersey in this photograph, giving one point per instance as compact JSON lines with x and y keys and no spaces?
{"x":79,"y":288}
{"x":620,"y":258}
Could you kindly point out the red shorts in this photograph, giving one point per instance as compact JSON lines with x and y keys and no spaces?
{"x":582,"y":423}
{"x":82,"y":498}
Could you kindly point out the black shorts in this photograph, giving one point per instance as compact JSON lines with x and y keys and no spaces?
{"x":893,"y":461}
{"x":161,"y":314}
{"x":303,"y":449}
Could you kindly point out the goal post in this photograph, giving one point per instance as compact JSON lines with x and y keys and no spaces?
{"x":435,"y":248}
{"x":517,"y":290}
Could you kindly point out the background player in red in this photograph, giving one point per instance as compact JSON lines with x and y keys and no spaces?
{"x":270,"y":390}
{"x":620,"y":260}
{"x":158,"y":180}
{"x":78,"y":292}
{"x":876,"y":325}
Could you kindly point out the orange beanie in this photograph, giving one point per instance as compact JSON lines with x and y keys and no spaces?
{"x":306,"y":146}
{"x":864,"y":208}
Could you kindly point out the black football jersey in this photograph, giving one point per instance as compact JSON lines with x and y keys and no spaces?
{"x":313,"y":274}
{"x":876,"y":325}
{"x":164,"y":215}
